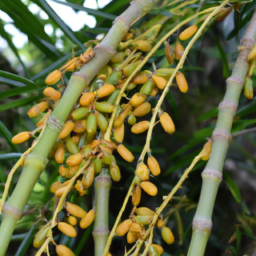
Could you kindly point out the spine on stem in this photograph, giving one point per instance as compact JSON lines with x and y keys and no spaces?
{"x":212,"y":174}
{"x":36,"y":161}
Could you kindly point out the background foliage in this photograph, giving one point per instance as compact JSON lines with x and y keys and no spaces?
{"x":208,"y":65}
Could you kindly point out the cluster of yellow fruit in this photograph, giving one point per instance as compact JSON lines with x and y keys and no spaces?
{"x":82,"y":136}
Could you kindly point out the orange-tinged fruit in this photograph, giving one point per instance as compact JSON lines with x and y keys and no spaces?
{"x":188,"y":32}
{"x":132,"y":237}
{"x":75,"y":159}
{"x":137,"y":99}
{"x":55,"y":186}
{"x":167,"y":123}
{"x":120,"y":119}
{"x":142,"y":172}
{"x":38,"y":108}
{"x":63,"y":250}
{"x":88,"y":219}
{"x":160,"y":223}
{"x":119,"y":133}
{"x":70,"y":65}
{"x":21,"y":137}
{"x":179,"y":50}
{"x":53,"y":77}
{"x":52,"y":93}
{"x":67,"y":229}
{"x":159,"y":249}
{"x":154,"y":92}
{"x":206,"y":151}
{"x":88,"y":177}
{"x":136,"y":195}
{"x":115,"y":172}
{"x":95,"y":143}
{"x":153,"y":166}
{"x":135,"y":227}
{"x":60,"y":153}
{"x":143,"y":45}
{"x":75,"y":139}
{"x":123,"y":227}
{"x":160,"y":82}
{"x":140,"y":127}
{"x":149,"y":188}
{"x":87,"y":98}
{"x":144,"y":211}
{"x":40,"y":237}
{"x":67,"y":129}
{"x":105,"y":90}
{"x":169,"y":53}
{"x":79,"y":126}
{"x":71,"y":171}
{"x":72,"y":220}
{"x":182,"y":82}
{"x":142,"y":110}
{"x":62,"y":171}
{"x":125,"y":153}
{"x":59,"y":192}
{"x":75,"y":210}
{"x":167,"y":235}
{"x":141,"y":78}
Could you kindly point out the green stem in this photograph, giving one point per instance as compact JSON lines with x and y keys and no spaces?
{"x":212,"y":173}
{"x":36,"y":161}
{"x":101,"y":230}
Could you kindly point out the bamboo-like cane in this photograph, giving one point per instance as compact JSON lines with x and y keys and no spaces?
{"x":36,"y":161}
{"x":212,"y":174}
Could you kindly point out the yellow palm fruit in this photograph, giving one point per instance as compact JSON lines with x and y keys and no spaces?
{"x":88,"y":219}
{"x":75,"y":139}
{"x":188,"y":32}
{"x":118,"y":57}
{"x":62,"y":171}
{"x":67,"y":129}
{"x":142,"y":172}
{"x":71,"y":146}
{"x":160,"y":223}
{"x":252,"y":54}
{"x":75,"y":210}
{"x":135,"y":227}
{"x":167,"y":123}
{"x":167,"y":235}
{"x":119,"y":133}
{"x":144,"y":211}
{"x":79,"y":186}
{"x":140,"y":127}
{"x":153,"y":166}
{"x":179,"y":50}
{"x":70,"y":65}
{"x":87,"y":98}
{"x":128,"y":69}
{"x":141,"y":78}
{"x":72,"y":220}
{"x":159,"y":249}
{"x":120,"y":119}
{"x":143,"y":220}
{"x":67,"y":229}
{"x":59,"y":192}
{"x":154,"y":92}
{"x":125,"y":153}
{"x":160,"y":82}
{"x":63,"y":250}
{"x":137,"y":99}
{"x":132,"y":237}
{"x":21,"y":137}
{"x":105,"y":90}
{"x":60,"y":153}
{"x":149,"y":188}
{"x":40,"y":237}
{"x":115,"y":172}
{"x":182,"y":82}
{"x":104,"y":107}
{"x":136,"y":195}
{"x":206,"y":151}
{"x":248,"y":88}
{"x":71,"y":171}
{"x":123,"y":227}
{"x":52,"y":93}
{"x":88,"y":177}
{"x":53,"y":77}
{"x":142,"y":110}
{"x":95,"y":143}
{"x":169,"y":53}
{"x":79,"y":126}
{"x":38,"y":108}
{"x":75,"y":159}
{"x":55,"y":186}
{"x":143,"y":45}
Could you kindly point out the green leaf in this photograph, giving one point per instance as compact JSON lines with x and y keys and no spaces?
{"x":88,"y":10}
{"x":47,"y":8}
{"x":238,"y":240}
{"x":15,"y":80}
{"x":7,"y":135}
{"x":83,"y":240}
{"x":7,"y":37}
{"x":246,"y":110}
{"x":232,"y":187}
{"x":209,"y":114}
{"x":8,"y":156}
{"x":19,"y":103}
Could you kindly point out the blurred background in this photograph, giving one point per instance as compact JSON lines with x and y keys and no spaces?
{"x":37,"y":36}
